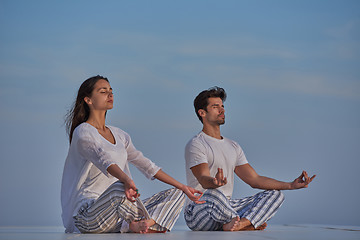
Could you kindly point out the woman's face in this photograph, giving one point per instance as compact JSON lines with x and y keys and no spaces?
{"x":101,"y":97}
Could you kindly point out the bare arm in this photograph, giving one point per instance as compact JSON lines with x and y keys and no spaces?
{"x":130,"y":188}
{"x":249,"y":176}
{"x":190,"y":192}
{"x":202,"y":174}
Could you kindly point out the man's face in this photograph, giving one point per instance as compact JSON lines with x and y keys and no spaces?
{"x":215,"y":114}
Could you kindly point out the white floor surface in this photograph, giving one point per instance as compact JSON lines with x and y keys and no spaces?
{"x":280,"y":232}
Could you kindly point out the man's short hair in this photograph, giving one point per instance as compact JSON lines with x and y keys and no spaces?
{"x":201,"y":101}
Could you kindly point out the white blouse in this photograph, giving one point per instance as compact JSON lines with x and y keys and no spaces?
{"x":85,"y":175}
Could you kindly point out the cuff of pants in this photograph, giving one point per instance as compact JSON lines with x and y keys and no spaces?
{"x":124,"y":227}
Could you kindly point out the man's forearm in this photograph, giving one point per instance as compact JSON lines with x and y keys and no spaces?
{"x":270,"y":184}
{"x":207,"y":182}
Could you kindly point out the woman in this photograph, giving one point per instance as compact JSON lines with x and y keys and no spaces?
{"x":97,"y":192}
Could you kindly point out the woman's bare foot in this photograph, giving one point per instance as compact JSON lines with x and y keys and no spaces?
{"x":233,"y":225}
{"x":141,"y":226}
{"x":242,"y":224}
{"x":251,"y":228}
{"x":153,"y":231}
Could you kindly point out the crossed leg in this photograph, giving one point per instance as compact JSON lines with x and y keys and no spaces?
{"x":220,"y":213}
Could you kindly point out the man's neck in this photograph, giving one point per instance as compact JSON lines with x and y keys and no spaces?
{"x":212,"y":131}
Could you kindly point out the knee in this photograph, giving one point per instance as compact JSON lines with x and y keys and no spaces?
{"x":279,"y":195}
{"x":214,"y":196}
{"x":213,"y":192}
{"x":178,"y":193}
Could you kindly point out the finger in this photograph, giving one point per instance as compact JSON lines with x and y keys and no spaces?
{"x":221,"y":174}
{"x":312,"y":178}
{"x":305,"y":175}
{"x":309,"y":180}
{"x":217,"y":173}
{"x":137,"y":193}
{"x":221,"y":183}
{"x":199,"y":192}
{"x":215,"y":181}
{"x":193,"y":197}
{"x":127,"y":194}
{"x":196,"y":200}
{"x":306,"y":178}
{"x":129,"y":197}
{"x":134,"y":194}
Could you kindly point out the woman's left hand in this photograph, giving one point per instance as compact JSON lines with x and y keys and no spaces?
{"x":193,"y":194}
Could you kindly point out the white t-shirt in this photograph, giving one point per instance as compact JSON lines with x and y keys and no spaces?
{"x":85,"y":175}
{"x":217,"y":153}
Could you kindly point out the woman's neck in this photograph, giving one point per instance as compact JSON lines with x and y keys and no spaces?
{"x":97,"y":120}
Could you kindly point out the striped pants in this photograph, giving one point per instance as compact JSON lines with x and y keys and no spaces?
{"x":113,"y":212}
{"x":218,"y":209}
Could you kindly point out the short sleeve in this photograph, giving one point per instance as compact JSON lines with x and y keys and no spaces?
{"x":240,"y":155}
{"x":92,"y":151}
{"x":195,"y":154}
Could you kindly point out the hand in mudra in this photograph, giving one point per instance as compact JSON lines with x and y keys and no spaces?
{"x":219,"y":179}
{"x":302,"y":181}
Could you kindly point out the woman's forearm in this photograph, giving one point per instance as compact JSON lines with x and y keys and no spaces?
{"x":162,"y":176}
{"x":116,"y":171}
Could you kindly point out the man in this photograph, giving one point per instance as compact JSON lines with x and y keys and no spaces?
{"x":212,"y":160}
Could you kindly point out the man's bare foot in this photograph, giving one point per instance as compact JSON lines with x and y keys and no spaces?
{"x":141,"y":226}
{"x":261,"y":227}
{"x":233,"y":225}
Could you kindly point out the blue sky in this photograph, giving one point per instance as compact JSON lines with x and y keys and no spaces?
{"x":290,"y":68}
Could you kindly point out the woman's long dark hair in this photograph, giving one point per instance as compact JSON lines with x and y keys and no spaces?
{"x":80,"y":111}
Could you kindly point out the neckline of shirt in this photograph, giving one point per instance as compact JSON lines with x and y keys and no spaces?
{"x":212,"y":138}
{"x":109,"y":127}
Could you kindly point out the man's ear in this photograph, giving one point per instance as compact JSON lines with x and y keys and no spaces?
{"x":202,"y":112}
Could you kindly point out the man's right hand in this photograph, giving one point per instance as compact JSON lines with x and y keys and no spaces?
{"x":202,"y":174}
{"x":219,"y":179}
